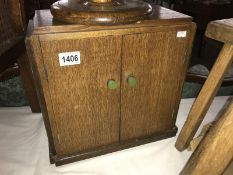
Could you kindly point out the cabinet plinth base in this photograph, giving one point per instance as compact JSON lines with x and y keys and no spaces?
{"x":111,"y":148}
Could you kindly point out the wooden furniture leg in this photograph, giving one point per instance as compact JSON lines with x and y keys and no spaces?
{"x":215,"y":152}
{"x":28,"y":83}
{"x":221,"y":31}
{"x":205,"y":97}
{"x":12,"y":47}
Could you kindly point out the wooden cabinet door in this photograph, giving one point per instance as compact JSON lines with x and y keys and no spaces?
{"x":156,"y":61}
{"x":86,"y":111}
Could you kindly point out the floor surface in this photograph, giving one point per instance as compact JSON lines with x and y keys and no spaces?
{"x":24,"y":149}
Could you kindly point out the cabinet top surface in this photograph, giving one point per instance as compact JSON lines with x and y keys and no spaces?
{"x":43,"y":22}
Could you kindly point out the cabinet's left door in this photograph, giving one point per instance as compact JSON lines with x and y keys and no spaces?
{"x":84,"y":83}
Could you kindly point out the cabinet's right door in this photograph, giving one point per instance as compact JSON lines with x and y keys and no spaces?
{"x":153,"y":71}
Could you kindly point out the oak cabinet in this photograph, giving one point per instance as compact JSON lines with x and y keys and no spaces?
{"x":87,"y":113}
{"x":105,"y":88}
{"x":156,"y":60}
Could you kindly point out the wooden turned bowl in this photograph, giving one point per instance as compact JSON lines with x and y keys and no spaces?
{"x":100,"y":12}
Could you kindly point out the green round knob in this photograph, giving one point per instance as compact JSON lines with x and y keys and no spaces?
{"x":132,"y":81}
{"x":112,"y":84}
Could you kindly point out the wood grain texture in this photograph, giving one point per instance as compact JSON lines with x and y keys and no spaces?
{"x":12,"y":47}
{"x":17,"y":15}
{"x":221,"y":30}
{"x":108,"y":32}
{"x":187,"y":57}
{"x":44,"y":22}
{"x":83,"y":117}
{"x":11,"y":35}
{"x":61,"y":160}
{"x":205,"y":97}
{"x":41,"y":84}
{"x":215,"y":152}
{"x":149,"y":107}
{"x":87,"y":113}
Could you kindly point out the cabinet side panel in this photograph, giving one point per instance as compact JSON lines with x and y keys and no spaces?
{"x":157,"y":62}
{"x":36,"y":61}
{"x":189,"y":45}
{"x":87,"y":112}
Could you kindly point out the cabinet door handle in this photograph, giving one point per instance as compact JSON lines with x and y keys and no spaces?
{"x":112,"y":84}
{"x":132,"y":81}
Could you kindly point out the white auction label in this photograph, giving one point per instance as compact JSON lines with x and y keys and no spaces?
{"x":181,"y":34}
{"x":69,"y":58}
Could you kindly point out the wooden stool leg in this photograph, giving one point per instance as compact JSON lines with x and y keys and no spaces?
{"x":28,"y":83}
{"x":205,"y":97}
{"x":215,"y":152}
